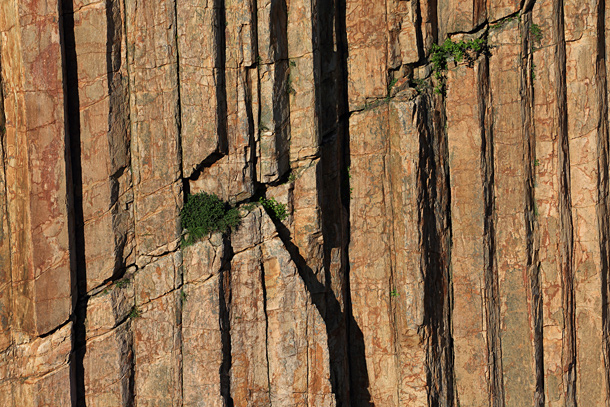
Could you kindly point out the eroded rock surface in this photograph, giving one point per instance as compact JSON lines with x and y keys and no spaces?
{"x":447,"y":237}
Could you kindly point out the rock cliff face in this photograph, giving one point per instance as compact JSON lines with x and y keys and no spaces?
{"x":448,"y":234}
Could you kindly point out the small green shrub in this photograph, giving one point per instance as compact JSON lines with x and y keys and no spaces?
{"x":391,"y":86}
{"x":536,"y":32}
{"x":135,"y":312}
{"x":183,"y":296}
{"x":275,"y":209}
{"x":394,"y":293}
{"x":203,"y":214}
{"x":439,"y":54}
{"x":122,"y":283}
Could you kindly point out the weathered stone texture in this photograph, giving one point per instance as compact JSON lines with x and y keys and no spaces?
{"x":447,"y":235}
{"x":103,"y":131}
{"x":466,"y":146}
{"x":34,"y":138}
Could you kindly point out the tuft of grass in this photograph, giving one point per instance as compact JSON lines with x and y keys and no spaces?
{"x":536,"y":32}
{"x":461,"y":50}
{"x":123,"y":283}
{"x":289,"y":88}
{"x":391,"y":86}
{"x":275,"y":209}
{"x":205,"y":213}
{"x":533,"y":71}
{"x":183,"y":296}
{"x":135,"y":312}
{"x":394,"y":293}
{"x":505,"y":21}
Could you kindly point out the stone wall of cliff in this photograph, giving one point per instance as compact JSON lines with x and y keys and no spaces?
{"x":447,"y":242}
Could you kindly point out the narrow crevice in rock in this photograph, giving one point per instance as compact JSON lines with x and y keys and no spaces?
{"x":224,"y":296}
{"x":492,"y":296}
{"x":531,"y":209}
{"x":264,"y":290}
{"x":178,"y":96}
{"x":435,"y":231}
{"x":603,"y":187}
{"x":327,"y":303}
{"x":282,"y":85}
{"x":131,"y":386}
{"x":221,"y":85}
{"x":416,"y":10}
{"x":75,"y":184}
{"x":565,"y":213}
{"x":179,"y":282}
{"x":330,"y":102}
{"x":357,"y":392}
{"x":5,"y":314}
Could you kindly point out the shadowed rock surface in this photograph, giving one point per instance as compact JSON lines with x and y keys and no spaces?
{"x":447,"y":242}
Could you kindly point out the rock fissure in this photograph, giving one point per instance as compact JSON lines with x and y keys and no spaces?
{"x":565,"y":208}
{"x":531,"y":212}
{"x":492,"y":307}
{"x":603,"y":185}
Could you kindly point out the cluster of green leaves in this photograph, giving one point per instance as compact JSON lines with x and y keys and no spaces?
{"x":439,"y":54}
{"x":536,"y":32}
{"x":505,"y":21}
{"x":205,"y":213}
{"x":135,"y":312}
{"x":391,"y":86}
{"x":275,"y":209}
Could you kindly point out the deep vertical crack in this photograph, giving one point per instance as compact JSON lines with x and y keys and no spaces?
{"x":435,"y":234}
{"x":224,"y":297}
{"x":492,"y":295}
{"x":75,"y":184}
{"x":220,"y":75}
{"x":603,"y":204}
{"x":565,"y":213}
{"x":530,"y":207}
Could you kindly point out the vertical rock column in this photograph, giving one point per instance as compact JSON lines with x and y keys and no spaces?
{"x":547,"y":202}
{"x":465,"y":134}
{"x":583,"y":129}
{"x":157,"y":163}
{"x":202,"y":343}
{"x":372,"y":353}
{"x":200,"y":25}
{"x":517,"y":348}
{"x":407,"y":282}
{"x":103,"y":156}
{"x":36,"y":166}
{"x":5,"y":243}
{"x":37,"y":207}
{"x":155,"y":145}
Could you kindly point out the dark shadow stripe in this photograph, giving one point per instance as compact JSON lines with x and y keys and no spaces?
{"x":565,"y":213}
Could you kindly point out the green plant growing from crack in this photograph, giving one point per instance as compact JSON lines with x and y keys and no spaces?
{"x":122,"y":283}
{"x":461,"y":50}
{"x":203,"y":214}
{"x":274,"y":208}
{"x":536,"y":32}
{"x":391,"y":86}
{"x":135,"y":312}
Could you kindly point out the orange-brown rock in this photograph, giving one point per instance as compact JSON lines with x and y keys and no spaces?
{"x":446,"y":238}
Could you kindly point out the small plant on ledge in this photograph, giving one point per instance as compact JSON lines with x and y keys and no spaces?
{"x":275,"y":209}
{"x":203,"y":214}
{"x":461,"y":50}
